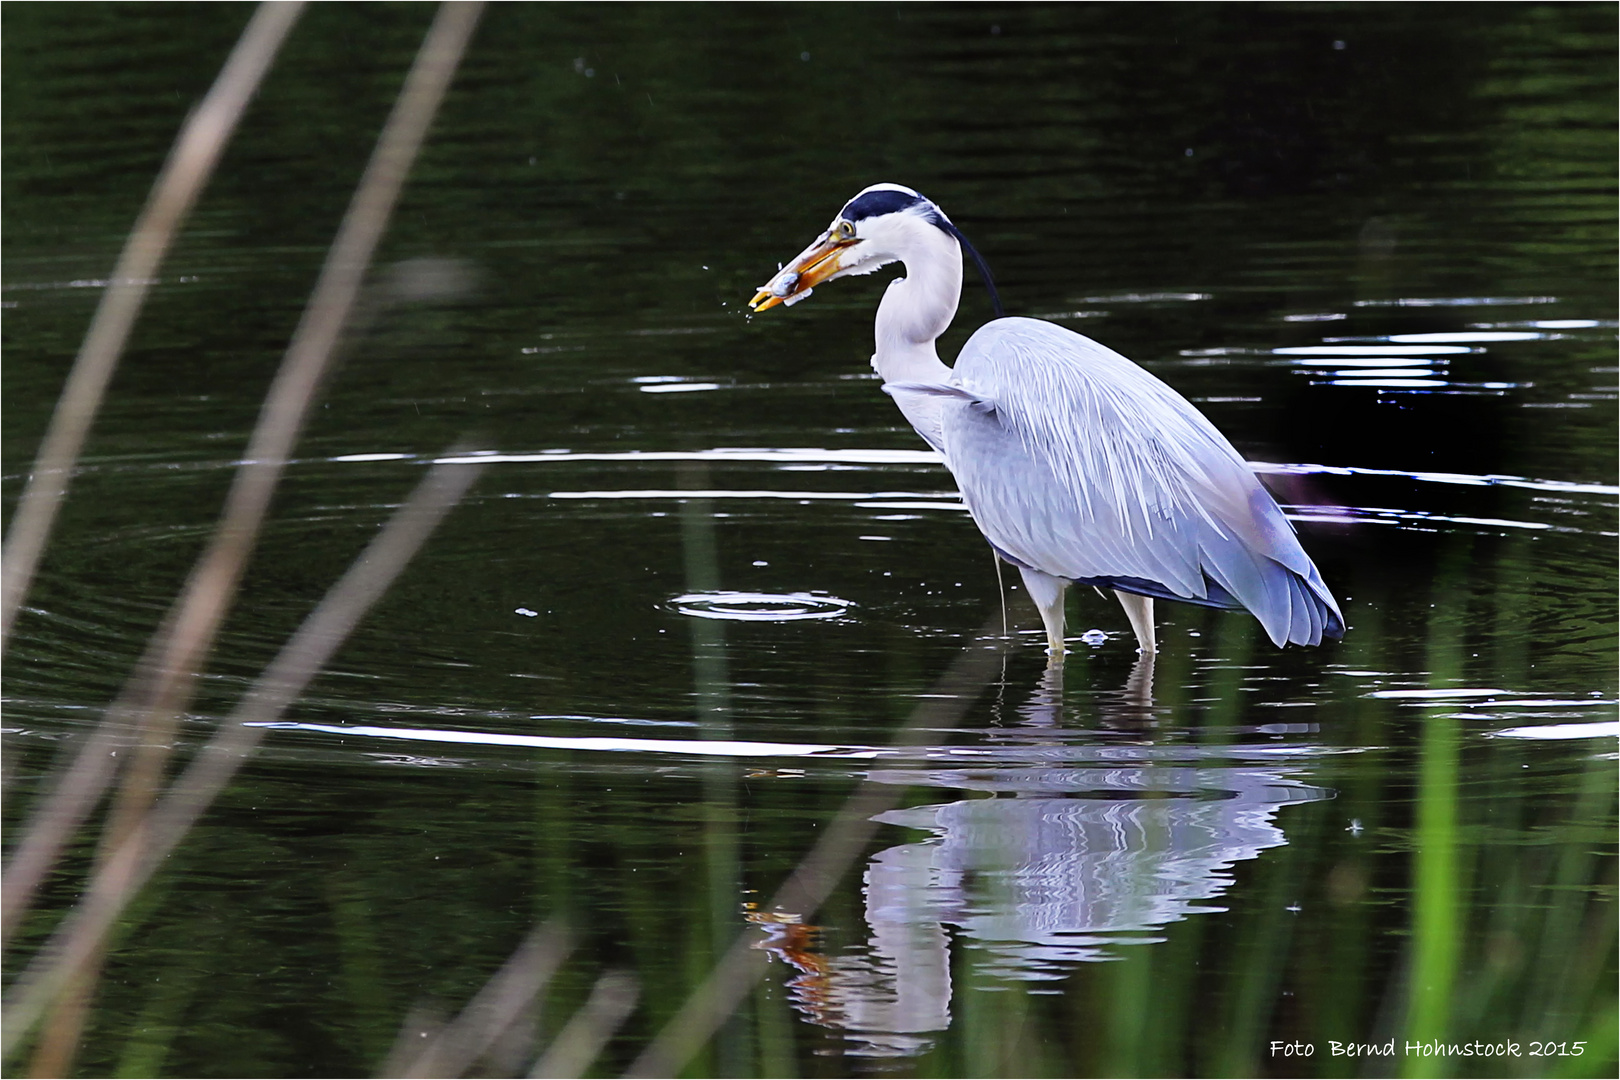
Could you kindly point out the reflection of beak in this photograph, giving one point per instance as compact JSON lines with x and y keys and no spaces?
{"x":815,"y":264}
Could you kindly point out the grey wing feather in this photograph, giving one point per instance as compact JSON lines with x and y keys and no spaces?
{"x":1078,"y":463}
{"x":922,"y":404}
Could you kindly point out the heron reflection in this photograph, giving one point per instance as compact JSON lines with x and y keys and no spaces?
{"x":1063,"y":854}
{"x":1128,"y":708}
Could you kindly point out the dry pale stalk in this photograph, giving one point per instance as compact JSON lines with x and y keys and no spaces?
{"x":163,"y":683}
{"x":196,"y":151}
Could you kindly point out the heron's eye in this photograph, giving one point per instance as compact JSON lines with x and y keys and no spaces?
{"x":846,"y":231}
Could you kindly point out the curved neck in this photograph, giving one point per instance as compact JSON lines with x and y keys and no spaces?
{"x":917,"y":308}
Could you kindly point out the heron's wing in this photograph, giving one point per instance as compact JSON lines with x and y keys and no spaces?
{"x":922,"y":408}
{"x":1077,"y":462}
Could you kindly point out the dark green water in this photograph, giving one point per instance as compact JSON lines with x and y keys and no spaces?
{"x":1374,"y":243}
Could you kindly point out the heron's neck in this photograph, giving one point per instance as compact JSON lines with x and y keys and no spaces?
{"x":916,"y":309}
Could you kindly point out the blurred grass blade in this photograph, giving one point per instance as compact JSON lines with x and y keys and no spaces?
{"x":86,"y":928}
{"x":1436,"y":907}
{"x":503,"y":1002}
{"x":292,"y":394}
{"x":840,"y":843}
{"x":162,"y":684}
{"x":578,"y":1044}
{"x":190,"y":163}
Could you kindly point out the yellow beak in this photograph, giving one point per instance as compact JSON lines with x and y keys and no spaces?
{"x":815,"y":264}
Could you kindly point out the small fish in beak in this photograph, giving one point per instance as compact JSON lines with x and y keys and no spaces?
{"x":815,"y":264}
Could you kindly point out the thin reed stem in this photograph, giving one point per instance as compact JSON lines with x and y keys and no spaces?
{"x":819,"y":872}
{"x":190,"y":163}
{"x":503,"y":1002}
{"x":132,"y":863}
{"x":162,"y":685}
{"x":579,"y":1043}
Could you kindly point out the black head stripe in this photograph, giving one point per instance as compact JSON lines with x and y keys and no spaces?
{"x":878,"y":203}
{"x":888,"y":201}
{"x":978,"y":260}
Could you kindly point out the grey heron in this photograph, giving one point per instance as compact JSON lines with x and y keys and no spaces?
{"x":1076,"y":464}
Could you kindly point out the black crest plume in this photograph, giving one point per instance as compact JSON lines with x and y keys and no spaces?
{"x":978,"y":260}
{"x":896,"y":199}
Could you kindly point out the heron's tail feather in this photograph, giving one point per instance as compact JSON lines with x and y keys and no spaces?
{"x":1295,"y":609}
{"x":1263,"y":566}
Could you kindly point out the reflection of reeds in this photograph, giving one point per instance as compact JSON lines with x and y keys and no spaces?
{"x":146,"y":821}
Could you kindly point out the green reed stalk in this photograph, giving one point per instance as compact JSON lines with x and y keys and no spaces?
{"x":1436,"y":911}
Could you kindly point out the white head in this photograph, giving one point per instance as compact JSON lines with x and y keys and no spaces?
{"x":885,"y":223}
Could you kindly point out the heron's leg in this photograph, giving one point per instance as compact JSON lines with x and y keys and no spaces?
{"x":1001,"y":592}
{"x":1047,"y":592}
{"x":1139,"y":609}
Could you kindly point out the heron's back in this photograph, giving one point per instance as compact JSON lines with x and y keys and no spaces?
{"x":1079,"y":463}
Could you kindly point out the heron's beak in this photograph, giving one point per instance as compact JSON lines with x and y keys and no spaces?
{"x":815,"y":264}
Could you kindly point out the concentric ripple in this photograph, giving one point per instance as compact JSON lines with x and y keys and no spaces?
{"x":759,"y":607}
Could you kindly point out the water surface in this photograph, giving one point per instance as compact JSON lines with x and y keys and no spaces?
{"x":710,"y":571}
